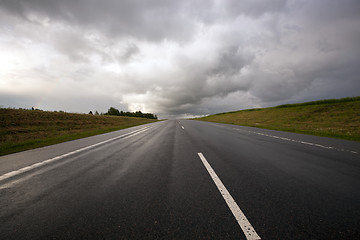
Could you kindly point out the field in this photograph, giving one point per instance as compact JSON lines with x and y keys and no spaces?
{"x":26,"y":129}
{"x":339,"y":118}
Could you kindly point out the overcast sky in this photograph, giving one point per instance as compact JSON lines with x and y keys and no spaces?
{"x":176,"y":58}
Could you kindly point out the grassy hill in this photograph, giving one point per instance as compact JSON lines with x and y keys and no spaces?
{"x":26,"y":129}
{"x":339,"y":118}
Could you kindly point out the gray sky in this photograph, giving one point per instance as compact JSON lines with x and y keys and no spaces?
{"x":176,"y":58}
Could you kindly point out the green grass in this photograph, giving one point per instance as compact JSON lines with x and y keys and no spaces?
{"x":25,"y":129}
{"x":321,"y":102}
{"x":339,"y":118}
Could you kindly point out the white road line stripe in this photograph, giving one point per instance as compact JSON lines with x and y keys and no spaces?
{"x":36,"y":165}
{"x":182,"y":127}
{"x":244,"y":223}
{"x":297,"y":141}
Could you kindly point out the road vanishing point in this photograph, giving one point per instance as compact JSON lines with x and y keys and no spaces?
{"x":184,"y":179}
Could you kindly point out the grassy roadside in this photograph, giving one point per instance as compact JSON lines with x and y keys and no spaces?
{"x":338,"y":118}
{"x":25,"y":129}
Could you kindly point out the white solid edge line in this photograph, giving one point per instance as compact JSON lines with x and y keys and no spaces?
{"x":36,"y":165}
{"x":244,"y":223}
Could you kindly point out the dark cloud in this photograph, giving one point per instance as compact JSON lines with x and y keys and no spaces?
{"x":151,"y":20}
{"x":254,"y":8}
{"x":130,"y":51}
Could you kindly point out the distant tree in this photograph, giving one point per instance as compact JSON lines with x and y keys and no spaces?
{"x":138,"y":114}
{"x":90,"y":113}
{"x":32,"y":108}
{"x":96,"y":113}
{"x":113,"y":111}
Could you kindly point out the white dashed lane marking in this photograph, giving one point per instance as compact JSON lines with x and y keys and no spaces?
{"x":296,"y":141}
{"x":240,"y":217}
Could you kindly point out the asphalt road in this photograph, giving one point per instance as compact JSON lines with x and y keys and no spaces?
{"x":150,"y":182}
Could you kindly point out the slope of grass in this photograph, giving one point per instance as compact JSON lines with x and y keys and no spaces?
{"x":339,"y":118}
{"x":25,"y":129}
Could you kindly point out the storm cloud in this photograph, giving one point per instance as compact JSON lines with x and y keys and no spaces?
{"x":176,"y":58}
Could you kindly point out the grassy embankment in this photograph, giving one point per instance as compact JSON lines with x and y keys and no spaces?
{"x":26,"y":129}
{"x":339,"y":118}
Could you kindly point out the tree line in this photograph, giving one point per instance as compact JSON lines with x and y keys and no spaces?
{"x":115,"y":112}
{"x":112,"y":111}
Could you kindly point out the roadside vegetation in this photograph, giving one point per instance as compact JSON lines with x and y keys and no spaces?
{"x":115,"y":112}
{"x":339,"y":118}
{"x":22,"y":129}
